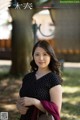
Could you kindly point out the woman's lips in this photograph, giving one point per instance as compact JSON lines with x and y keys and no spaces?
{"x":41,"y":62}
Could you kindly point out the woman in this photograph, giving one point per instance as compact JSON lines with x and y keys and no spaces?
{"x":43,"y":83}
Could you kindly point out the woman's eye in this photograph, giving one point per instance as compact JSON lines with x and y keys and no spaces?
{"x":36,"y":54}
{"x":45,"y":54}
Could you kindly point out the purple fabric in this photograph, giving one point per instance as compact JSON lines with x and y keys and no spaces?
{"x":35,"y":113}
{"x":50,"y":107}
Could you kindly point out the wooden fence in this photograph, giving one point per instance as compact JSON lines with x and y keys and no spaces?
{"x":5,"y":49}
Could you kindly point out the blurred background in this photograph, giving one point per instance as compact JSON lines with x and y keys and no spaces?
{"x":22,"y":24}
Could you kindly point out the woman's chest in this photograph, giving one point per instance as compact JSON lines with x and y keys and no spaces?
{"x":37,"y":88}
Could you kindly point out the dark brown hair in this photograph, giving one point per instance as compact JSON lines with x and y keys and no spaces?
{"x":54,"y":64}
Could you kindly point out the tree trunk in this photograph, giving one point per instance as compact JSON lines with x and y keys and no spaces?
{"x":22,"y":41}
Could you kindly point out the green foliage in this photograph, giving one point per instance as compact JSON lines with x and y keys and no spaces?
{"x":41,"y":2}
{"x":71,"y":95}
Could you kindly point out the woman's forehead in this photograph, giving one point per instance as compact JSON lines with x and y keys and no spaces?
{"x":39,"y":49}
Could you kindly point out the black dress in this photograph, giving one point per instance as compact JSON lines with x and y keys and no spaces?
{"x":37,"y":89}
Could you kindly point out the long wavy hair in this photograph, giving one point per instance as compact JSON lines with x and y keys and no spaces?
{"x":54,"y":64}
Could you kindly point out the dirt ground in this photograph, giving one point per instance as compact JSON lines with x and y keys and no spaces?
{"x":9,"y":88}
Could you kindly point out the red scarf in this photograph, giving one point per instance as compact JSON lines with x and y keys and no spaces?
{"x":50,"y":107}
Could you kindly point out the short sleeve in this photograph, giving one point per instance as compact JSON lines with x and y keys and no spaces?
{"x":54,"y":80}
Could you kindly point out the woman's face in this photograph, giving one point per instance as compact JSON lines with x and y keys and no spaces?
{"x":41,"y":58}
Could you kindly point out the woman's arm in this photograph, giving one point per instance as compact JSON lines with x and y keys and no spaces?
{"x":28,"y":101}
{"x":56,"y":96}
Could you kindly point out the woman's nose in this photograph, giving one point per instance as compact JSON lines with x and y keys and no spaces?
{"x":41,"y":57}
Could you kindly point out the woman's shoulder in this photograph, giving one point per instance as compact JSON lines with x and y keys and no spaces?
{"x":28,"y":75}
{"x":54,"y":79}
{"x":53,"y":74}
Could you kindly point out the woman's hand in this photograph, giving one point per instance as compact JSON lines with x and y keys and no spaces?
{"x":26,"y":101}
{"x":22,"y":109}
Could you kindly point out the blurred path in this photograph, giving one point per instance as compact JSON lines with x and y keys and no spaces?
{"x":71,"y":65}
{"x":5,"y":62}
{"x":5,"y":65}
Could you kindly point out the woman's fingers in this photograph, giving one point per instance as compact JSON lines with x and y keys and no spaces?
{"x":26,"y":101}
{"x":21,"y":108}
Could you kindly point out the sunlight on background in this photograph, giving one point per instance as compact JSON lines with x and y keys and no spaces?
{"x":69,"y":92}
{"x":4,"y":4}
{"x":9,"y":107}
{"x":5,"y":20}
{"x":5,"y":25}
{"x":71,"y":89}
{"x":45,"y":29}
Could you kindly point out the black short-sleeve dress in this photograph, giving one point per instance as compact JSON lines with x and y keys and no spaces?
{"x":37,"y":88}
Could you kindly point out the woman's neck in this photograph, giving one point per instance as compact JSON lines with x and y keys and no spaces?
{"x":43,"y":71}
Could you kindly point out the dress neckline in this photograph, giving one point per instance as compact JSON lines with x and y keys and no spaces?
{"x":41,"y":76}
